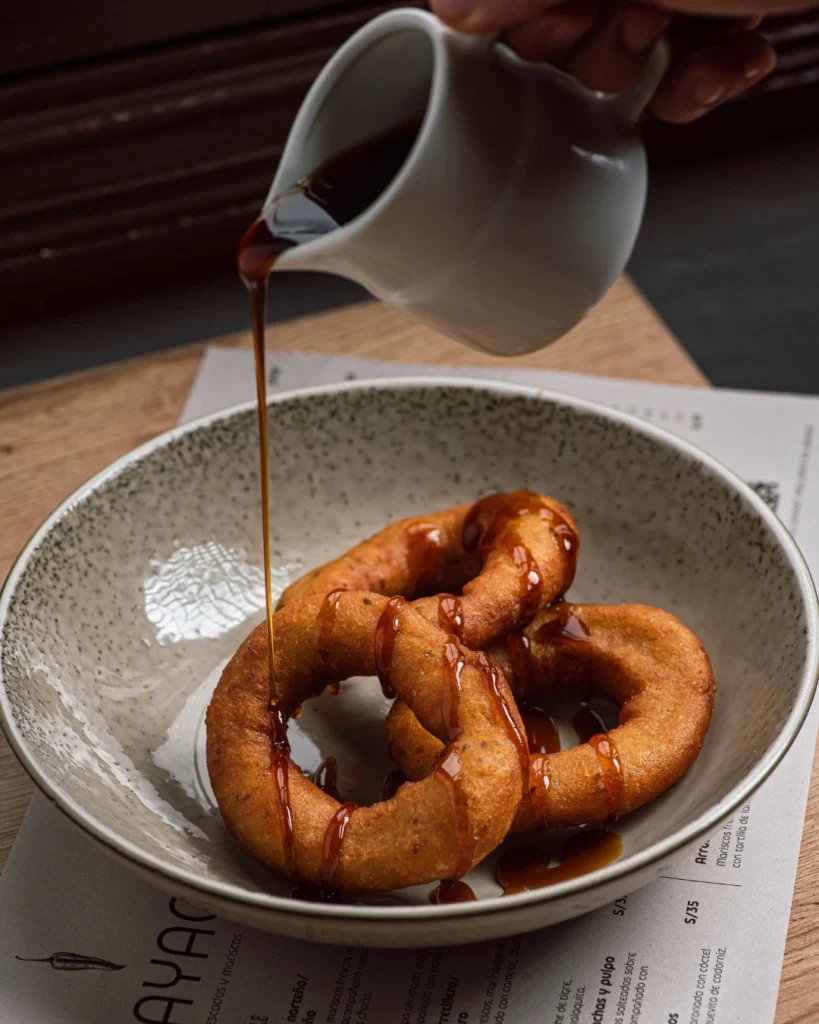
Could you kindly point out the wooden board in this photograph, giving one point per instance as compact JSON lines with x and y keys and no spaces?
{"x":57,"y":433}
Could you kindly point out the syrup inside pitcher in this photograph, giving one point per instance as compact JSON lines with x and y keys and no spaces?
{"x":333,"y":195}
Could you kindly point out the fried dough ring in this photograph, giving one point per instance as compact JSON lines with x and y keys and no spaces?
{"x":431,"y":829}
{"x":639,"y":657}
{"x":509,"y":552}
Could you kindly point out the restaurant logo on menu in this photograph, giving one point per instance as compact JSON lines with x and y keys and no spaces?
{"x":169,"y":979}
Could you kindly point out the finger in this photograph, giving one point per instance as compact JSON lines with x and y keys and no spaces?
{"x":701,"y":80}
{"x":552,"y":36}
{"x":489,"y":15}
{"x":734,"y":8}
{"x":698,"y":31}
{"x":614,"y":54}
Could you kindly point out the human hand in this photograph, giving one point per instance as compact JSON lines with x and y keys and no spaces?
{"x":606,"y":45}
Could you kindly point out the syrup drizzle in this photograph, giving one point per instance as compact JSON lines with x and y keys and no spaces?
{"x":326,"y":777}
{"x":258,"y":301}
{"x":453,"y":892}
{"x":541,"y":732}
{"x":569,"y":540}
{"x":565,"y":628}
{"x":612,"y":776}
{"x":425,"y":551}
{"x":451,"y":615}
{"x":490,"y":516}
{"x":391,"y":783}
{"x":531,"y":582}
{"x":257,"y":253}
{"x":539,"y":774}
{"x":503,"y":713}
{"x":527,"y":868}
{"x":333,"y":195}
{"x":518,"y":649}
{"x":587,"y":723}
{"x":454,"y":661}
{"x":280,"y":772}
{"x":385,"y":633}
{"x":333,"y":841}
{"x":447,"y":772}
{"x":325,"y":623}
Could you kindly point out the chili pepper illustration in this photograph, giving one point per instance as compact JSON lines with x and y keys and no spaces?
{"x":73,"y":962}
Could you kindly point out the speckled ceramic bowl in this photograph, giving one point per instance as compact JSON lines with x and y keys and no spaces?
{"x":121,"y":612}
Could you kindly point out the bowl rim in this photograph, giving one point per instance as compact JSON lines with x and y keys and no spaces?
{"x":282,"y":905}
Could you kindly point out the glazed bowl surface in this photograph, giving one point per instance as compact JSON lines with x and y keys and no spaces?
{"x":121,"y":612}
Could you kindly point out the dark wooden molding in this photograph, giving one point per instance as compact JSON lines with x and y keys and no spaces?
{"x":117,"y":173}
{"x":39,"y":35}
{"x":139,"y":163}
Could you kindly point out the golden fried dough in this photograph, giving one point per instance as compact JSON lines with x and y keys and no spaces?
{"x":509,"y":553}
{"x":431,"y":829}
{"x":641,"y":658}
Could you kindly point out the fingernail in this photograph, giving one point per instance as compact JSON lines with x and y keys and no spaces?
{"x":753,"y":72}
{"x":708,"y":93}
{"x":456,"y":12}
{"x":641,"y":29}
{"x":560,"y":30}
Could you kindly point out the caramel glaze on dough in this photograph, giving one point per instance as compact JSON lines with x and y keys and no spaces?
{"x":641,"y":658}
{"x":435,"y":828}
{"x":522,"y":554}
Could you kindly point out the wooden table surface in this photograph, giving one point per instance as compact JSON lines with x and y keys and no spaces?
{"x":57,"y":433}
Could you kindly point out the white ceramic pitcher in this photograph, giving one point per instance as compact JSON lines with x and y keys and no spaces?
{"x":518,"y":205}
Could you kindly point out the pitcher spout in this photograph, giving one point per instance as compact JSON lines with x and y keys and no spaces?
{"x":307,"y":256}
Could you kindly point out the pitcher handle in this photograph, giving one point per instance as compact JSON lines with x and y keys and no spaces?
{"x":631,"y":103}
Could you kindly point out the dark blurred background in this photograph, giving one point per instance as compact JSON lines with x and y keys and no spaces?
{"x":138,"y":140}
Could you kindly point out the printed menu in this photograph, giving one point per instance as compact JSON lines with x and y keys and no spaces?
{"x":85,"y":940}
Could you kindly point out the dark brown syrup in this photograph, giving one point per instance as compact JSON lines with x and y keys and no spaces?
{"x":280,"y":773}
{"x":518,"y":650}
{"x":425,"y":553}
{"x":325,"y":623}
{"x":391,"y":783}
{"x":453,"y":892}
{"x":531,"y":582}
{"x":333,"y":841}
{"x":490,"y":516}
{"x":611,"y":773}
{"x":587,"y":723}
{"x":326,"y":777}
{"x":527,"y":867}
{"x":333,"y":195}
{"x":565,"y":628}
{"x":542,"y":735}
{"x":454,"y":661}
{"x":447,"y":772}
{"x":504,"y":715}
{"x":386,"y":631}
{"x":451,"y":614}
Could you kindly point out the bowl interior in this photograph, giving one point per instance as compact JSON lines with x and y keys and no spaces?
{"x":122,"y":615}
